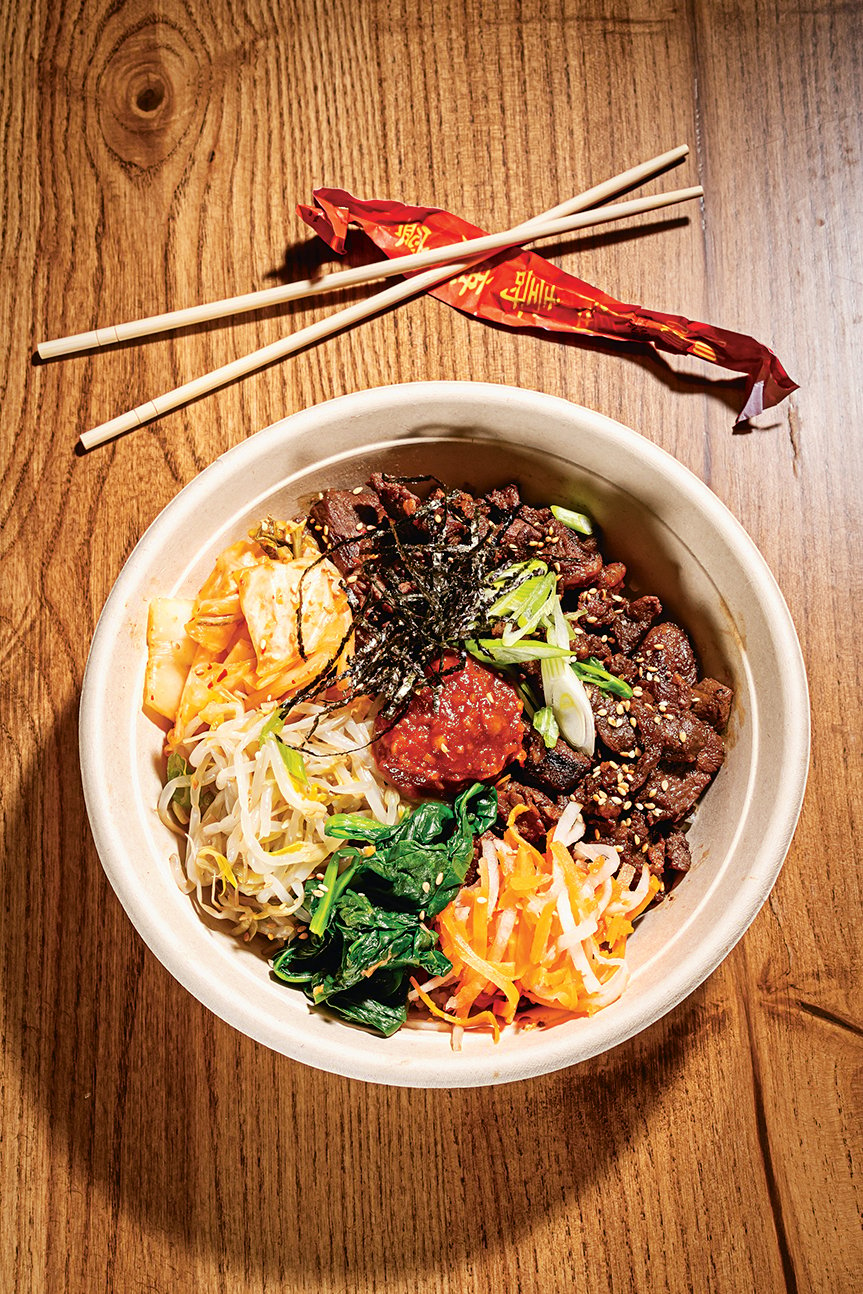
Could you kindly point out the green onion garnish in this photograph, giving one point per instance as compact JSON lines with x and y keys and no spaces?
{"x":546,"y":725}
{"x":591,"y":671}
{"x":274,"y":724}
{"x":492,"y":651}
{"x":294,"y":762}
{"x":573,"y":520}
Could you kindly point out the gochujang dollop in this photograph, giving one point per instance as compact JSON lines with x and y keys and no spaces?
{"x":466,"y":729}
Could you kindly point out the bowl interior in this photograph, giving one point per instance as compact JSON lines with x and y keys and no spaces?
{"x":677,"y":541}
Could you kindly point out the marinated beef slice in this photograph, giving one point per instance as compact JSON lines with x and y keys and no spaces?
{"x":656,"y":752}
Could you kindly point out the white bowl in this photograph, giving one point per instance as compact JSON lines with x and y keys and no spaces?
{"x":677,"y":540}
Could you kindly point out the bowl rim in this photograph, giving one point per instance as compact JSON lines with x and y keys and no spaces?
{"x":607,"y":1031}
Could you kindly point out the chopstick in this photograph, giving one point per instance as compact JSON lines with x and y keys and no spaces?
{"x":340,"y":280}
{"x":550,"y":222}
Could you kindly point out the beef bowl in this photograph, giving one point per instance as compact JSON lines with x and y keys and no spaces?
{"x":677,"y":541}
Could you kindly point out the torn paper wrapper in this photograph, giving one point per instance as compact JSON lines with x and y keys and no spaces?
{"x":520,"y":289}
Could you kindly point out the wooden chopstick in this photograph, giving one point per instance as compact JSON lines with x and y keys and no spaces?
{"x":381,"y":301}
{"x":140,"y":328}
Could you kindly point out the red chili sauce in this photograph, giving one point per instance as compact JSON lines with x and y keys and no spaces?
{"x":464,"y":731}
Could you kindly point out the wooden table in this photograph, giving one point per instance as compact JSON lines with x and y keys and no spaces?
{"x":153,"y":156}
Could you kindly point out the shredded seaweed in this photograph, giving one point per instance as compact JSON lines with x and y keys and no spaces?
{"x":424,"y":588}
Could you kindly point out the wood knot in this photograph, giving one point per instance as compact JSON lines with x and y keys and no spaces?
{"x":150,"y":92}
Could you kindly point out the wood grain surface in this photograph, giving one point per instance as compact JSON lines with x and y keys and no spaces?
{"x":152,"y":157}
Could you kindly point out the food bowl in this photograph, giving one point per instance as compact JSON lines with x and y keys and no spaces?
{"x":677,"y":540}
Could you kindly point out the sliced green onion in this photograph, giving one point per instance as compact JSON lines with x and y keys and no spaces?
{"x":591,"y":671}
{"x":274,"y":724}
{"x":573,"y":520}
{"x":491,"y":651}
{"x":521,"y":597}
{"x":546,"y":725}
{"x":519,"y":571}
{"x":294,"y":762}
{"x":564,"y":692}
{"x":534,"y":612}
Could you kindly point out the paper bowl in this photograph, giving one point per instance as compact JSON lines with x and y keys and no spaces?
{"x":677,"y":540}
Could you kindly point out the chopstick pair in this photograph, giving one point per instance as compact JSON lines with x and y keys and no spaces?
{"x":438,"y":265}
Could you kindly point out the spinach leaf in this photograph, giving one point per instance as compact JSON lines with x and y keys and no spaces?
{"x":374,"y":939}
{"x":360,"y":968}
{"x":380,"y":1003}
{"x":421,"y":862}
{"x":367,"y":933}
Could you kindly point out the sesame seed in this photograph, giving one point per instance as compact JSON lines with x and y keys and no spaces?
{"x":640,"y":807}
{"x":358,"y":489}
{"x":426,"y":887}
{"x":360,"y":527}
{"x":482,"y":899}
{"x":637,"y":838}
{"x":645,"y":847}
{"x":634,"y":723}
{"x":423,"y":915}
{"x":682,"y":735}
{"x":438,"y":880}
{"x":628,"y":804}
{"x":664,"y":783}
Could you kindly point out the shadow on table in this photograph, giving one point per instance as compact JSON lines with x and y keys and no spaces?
{"x":249,"y":1163}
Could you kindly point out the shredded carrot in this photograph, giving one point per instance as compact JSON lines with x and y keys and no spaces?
{"x":555,"y":936}
{"x":484,"y":1020}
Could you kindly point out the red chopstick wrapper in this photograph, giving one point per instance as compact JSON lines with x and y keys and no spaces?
{"x":522,"y":290}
